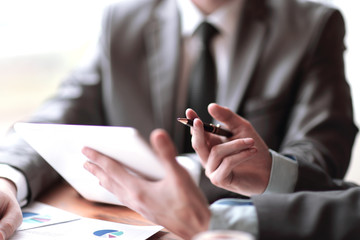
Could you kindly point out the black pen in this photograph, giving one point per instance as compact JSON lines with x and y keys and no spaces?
{"x":208,"y":127}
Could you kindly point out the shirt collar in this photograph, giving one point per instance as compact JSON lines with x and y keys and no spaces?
{"x":224,"y":19}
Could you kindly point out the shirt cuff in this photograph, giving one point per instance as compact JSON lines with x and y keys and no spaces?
{"x":192,"y":166}
{"x":234,"y":214}
{"x":284,"y":174}
{"x":18,"y":179}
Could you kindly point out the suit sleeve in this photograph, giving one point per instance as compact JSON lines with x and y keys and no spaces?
{"x":331,"y":215}
{"x":321,"y":128}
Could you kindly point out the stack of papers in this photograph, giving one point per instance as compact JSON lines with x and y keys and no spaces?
{"x":41,"y":221}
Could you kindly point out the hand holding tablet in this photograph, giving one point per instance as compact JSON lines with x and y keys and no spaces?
{"x":61,"y":144}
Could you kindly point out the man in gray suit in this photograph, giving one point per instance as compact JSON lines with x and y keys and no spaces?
{"x":303,"y":215}
{"x":279,"y":65}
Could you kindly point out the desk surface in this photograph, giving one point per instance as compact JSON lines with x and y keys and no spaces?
{"x":63,"y":196}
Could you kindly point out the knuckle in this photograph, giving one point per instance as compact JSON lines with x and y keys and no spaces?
{"x":208,"y":173}
{"x":238,"y":144}
{"x":102,"y":183}
{"x":106,"y":184}
{"x":215,"y":151}
{"x":8,"y":228}
{"x":195,"y":143}
{"x":18,"y":215}
{"x":216,"y":180}
{"x":90,"y":167}
{"x":248,"y":153}
{"x":195,"y":146}
{"x":92,"y":155}
{"x":246,"y":123}
{"x":245,"y":155}
{"x":138,"y":196}
{"x":226,"y":163}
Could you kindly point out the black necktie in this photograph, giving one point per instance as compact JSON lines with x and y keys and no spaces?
{"x":202,"y":79}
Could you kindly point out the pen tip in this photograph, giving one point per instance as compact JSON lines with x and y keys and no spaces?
{"x":182,"y":120}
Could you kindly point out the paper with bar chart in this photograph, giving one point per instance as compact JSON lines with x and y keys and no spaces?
{"x":43,"y":222}
{"x":40,"y":215}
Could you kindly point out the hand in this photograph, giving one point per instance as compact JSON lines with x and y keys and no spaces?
{"x":10,"y":211}
{"x":241,"y":163}
{"x":173,"y":202}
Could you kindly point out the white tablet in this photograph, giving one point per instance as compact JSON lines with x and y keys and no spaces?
{"x":61,"y":144}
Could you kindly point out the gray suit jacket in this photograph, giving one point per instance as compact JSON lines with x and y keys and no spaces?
{"x":332,"y":215}
{"x":287,"y":78}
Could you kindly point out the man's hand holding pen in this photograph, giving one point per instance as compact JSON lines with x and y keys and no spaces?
{"x":241,"y":163}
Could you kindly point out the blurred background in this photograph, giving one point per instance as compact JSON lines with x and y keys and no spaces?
{"x":43,"y":40}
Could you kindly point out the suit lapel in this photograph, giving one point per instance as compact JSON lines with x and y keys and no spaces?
{"x":162,"y":42}
{"x":251,"y":35}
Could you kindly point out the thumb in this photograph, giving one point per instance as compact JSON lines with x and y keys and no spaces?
{"x":10,"y":221}
{"x":226,"y":116}
{"x":164,"y":148}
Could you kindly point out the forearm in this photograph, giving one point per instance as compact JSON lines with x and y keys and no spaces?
{"x":15,"y":153}
{"x":321,"y":129}
{"x":329,"y":215}
{"x":17,"y":179}
{"x":315,"y":178}
{"x":289,"y":175}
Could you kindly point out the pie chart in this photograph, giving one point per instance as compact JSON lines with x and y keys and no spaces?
{"x":108,"y":233}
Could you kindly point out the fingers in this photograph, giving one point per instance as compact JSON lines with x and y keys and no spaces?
{"x":10,"y":222}
{"x":164,"y":148}
{"x":231,"y":162}
{"x":237,"y":151}
{"x":226,"y":116}
{"x":103,"y":162}
{"x":198,"y":141}
{"x":10,"y":212}
{"x":95,"y":169}
{"x":191,"y":114}
{"x":98,"y":172}
{"x":107,"y":170}
{"x":8,"y":225}
{"x":6,"y":229}
{"x":221,"y":114}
